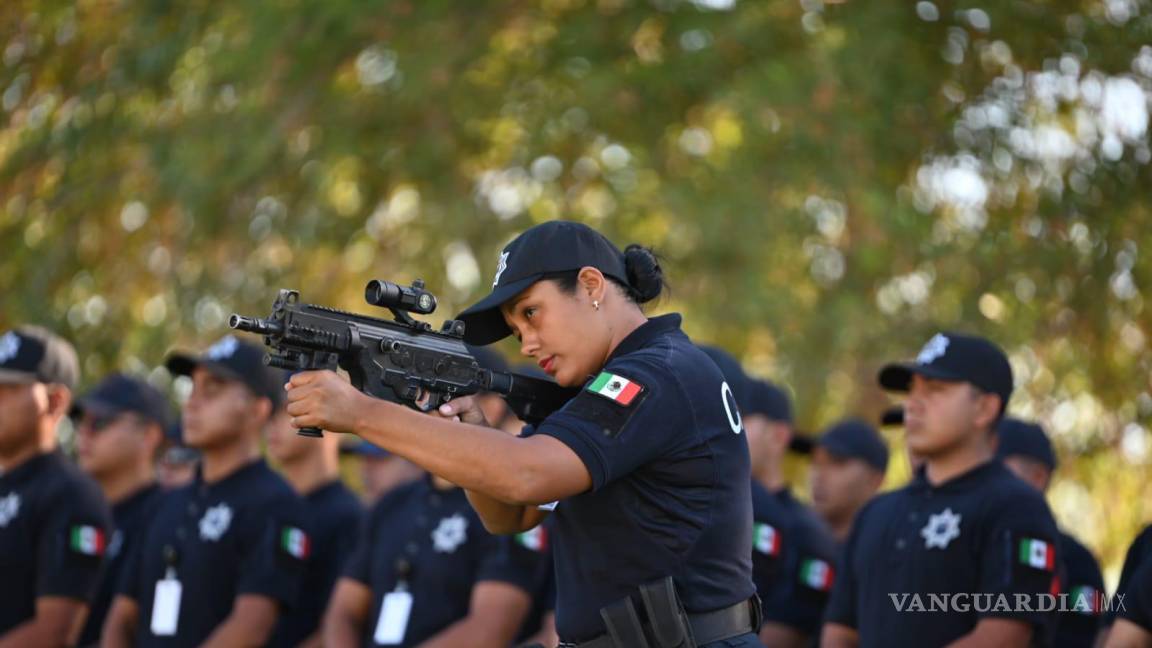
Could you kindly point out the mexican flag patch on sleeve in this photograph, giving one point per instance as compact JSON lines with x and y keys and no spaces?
{"x":1037,"y":554}
{"x":617,"y":389}
{"x":295,"y":542}
{"x":817,"y":574}
{"x":87,"y":540}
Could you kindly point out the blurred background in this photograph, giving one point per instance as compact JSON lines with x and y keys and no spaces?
{"x":829,"y":182}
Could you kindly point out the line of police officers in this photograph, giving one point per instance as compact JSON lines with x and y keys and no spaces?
{"x":100,"y":552}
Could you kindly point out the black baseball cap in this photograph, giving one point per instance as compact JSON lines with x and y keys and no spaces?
{"x":119,"y":393}
{"x":770,"y":400}
{"x":957,"y":358}
{"x":892,"y":416}
{"x":733,"y":373}
{"x":855,"y":439}
{"x":1025,"y":439}
{"x":548,"y":248}
{"x":232,"y":358}
{"x":33,"y":354}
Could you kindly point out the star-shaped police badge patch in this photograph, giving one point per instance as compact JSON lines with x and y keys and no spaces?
{"x":215,"y":522}
{"x":451,"y":533}
{"x":941,"y":530}
{"x":9,"y":507}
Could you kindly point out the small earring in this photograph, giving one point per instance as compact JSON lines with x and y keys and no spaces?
{"x":595,"y":304}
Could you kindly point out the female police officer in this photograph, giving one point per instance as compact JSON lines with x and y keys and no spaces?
{"x":648,"y":462}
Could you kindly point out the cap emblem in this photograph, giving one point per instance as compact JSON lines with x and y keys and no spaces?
{"x":225,"y":348}
{"x":9,"y":346}
{"x":501,"y":266}
{"x":935,"y":348}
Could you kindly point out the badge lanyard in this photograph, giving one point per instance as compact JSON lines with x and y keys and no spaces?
{"x":396,"y":608}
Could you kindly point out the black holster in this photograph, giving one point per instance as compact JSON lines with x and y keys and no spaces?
{"x":667,"y":625}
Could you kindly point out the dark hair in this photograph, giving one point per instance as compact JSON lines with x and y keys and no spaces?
{"x":645,"y":277}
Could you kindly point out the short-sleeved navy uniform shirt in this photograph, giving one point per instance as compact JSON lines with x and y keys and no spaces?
{"x":431,"y":543}
{"x":670,"y":474}
{"x":793,"y":560}
{"x":245,"y":534}
{"x":334,"y":514}
{"x":1137,"y":606}
{"x":54,"y":528}
{"x":533,"y":550}
{"x":1138,"y":553}
{"x":985,"y":532}
{"x":130,"y":518}
{"x":1083,"y":584}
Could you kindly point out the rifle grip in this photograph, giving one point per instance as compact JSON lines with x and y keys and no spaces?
{"x":310,"y":432}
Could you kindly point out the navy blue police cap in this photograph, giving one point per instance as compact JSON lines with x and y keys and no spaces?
{"x":955,"y":357}
{"x":33,"y":354}
{"x":892,"y":416}
{"x":118,"y":393}
{"x":855,"y":439}
{"x":234,"y":359}
{"x":545,"y":249}
{"x":770,"y":400}
{"x":734,"y":375}
{"x":1025,"y":439}
{"x":365,"y":449}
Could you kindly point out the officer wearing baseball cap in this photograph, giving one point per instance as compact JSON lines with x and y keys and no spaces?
{"x":312,"y":468}
{"x":1026,"y":451}
{"x":848,"y":465}
{"x":649,"y":462}
{"x":793,"y":600}
{"x":965,"y":530}
{"x":119,"y":431}
{"x":54,"y":524}
{"x":223,"y":557}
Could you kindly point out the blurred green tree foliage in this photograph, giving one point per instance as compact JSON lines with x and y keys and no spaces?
{"x":829,"y":182}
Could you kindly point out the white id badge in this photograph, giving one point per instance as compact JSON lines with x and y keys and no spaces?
{"x":551,"y":506}
{"x":393,"y":622}
{"x":166,"y":607}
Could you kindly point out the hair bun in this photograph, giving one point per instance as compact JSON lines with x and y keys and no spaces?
{"x":645,"y":278}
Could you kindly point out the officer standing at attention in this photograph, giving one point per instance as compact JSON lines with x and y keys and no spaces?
{"x":1139,"y":552}
{"x":794,"y":600}
{"x":1026,"y":451}
{"x":119,"y":432}
{"x":53,"y":523}
{"x":1133,"y":625}
{"x":424,"y":572}
{"x":848,"y":465}
{"x":965,"y":530}
{"x":224,"y":556}
{"x":312,"y":468}
{"x":649,"y":462}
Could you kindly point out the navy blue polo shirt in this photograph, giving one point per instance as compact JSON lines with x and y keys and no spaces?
{"x":433,"y":542}
{"x":660,"y":434}
{"x":130,"y":518}
{"x":793,"y":560}
{"x":1138,"y":552}
{"x":1137,"y":600}
{"x":244,"y":534}
{"x":1078,"y":626}
{"x":533,"y":549}
{"x":335,"y":514}
{"x":54,"y":528}
{"x":983,"y":533}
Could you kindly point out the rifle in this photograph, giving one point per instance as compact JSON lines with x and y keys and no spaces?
{"x":400,"y":360}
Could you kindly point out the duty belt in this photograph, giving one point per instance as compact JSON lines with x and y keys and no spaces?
{"x":725,"y":623}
